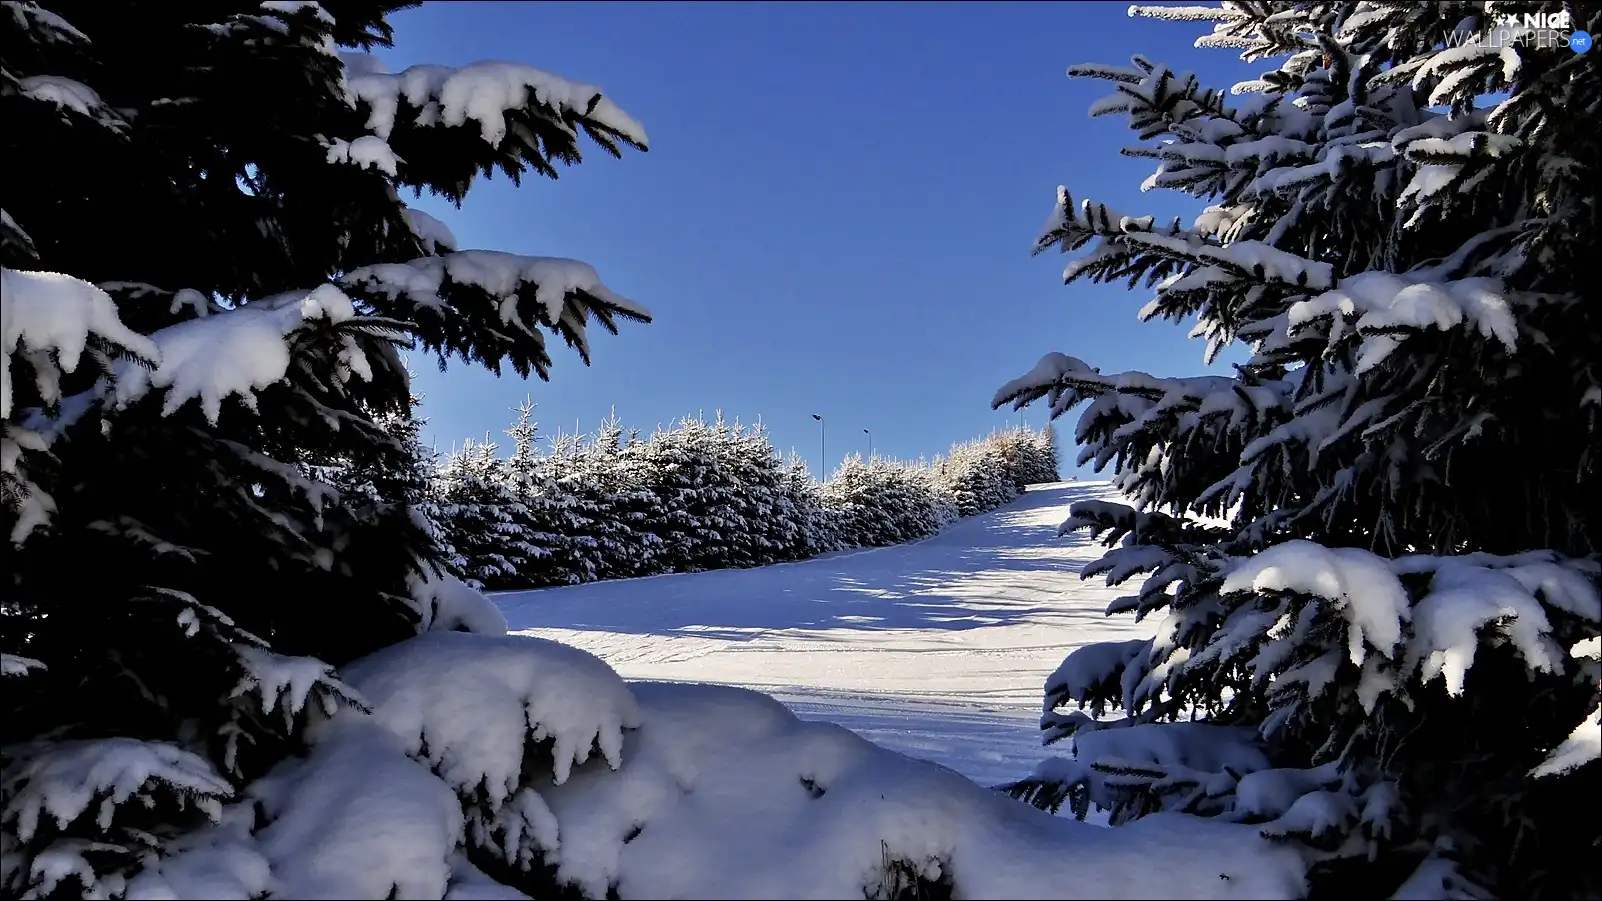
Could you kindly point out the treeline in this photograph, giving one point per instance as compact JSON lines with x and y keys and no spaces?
{"x":698,"y":496}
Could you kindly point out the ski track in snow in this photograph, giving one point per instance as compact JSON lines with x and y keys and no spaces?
{"x":937,"y":649}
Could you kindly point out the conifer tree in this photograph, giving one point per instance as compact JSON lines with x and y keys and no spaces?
{"x":1029,"y":456}
{"x":778,"y":519}
{"x":691,"y":495}
{"x":208,"y":278}
{"x":624,"y":505}
{"x":485,"y":516}
{"x":820,"y":533}
{"x":880,"y":502}
{"x":546,"y":510}
{"x":979,"y":475}
{"x":1396,"y":626}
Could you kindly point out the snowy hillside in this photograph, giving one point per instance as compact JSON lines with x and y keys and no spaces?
{"x":937,"y":649}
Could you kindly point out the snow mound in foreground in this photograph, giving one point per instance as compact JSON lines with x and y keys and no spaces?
{"x":473,"y":777}
{"x":469,"y":704}
{"x":725,"y":794}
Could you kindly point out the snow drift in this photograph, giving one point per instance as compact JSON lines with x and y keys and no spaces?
{"x":534,"y":761}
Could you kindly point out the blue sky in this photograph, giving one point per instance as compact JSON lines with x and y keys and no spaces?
{"x":835,"y":215}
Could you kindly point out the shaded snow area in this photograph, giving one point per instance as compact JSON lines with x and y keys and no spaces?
{"x":937,"y":649}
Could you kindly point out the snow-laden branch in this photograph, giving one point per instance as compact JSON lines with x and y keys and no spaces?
{"x":485,"y":93}
{"x":235,"y":353}
{"x":486,"y":305}
{"x":73,"y":96}
{"x":1387,"y":307}
{"x":48,"y":320}
{"x":518,"y":116}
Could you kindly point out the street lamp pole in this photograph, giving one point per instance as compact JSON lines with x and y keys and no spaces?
{"x":823,"y":456}
{"x":870,"y":443}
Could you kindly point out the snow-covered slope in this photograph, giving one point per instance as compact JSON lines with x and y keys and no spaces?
{"x":937,"y":649}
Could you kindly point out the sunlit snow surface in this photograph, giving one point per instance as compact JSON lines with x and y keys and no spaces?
{"x":937,"y":649}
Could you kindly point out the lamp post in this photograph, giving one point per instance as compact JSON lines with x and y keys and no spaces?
{"x":870,"y":444}
{"x":823,"y":457}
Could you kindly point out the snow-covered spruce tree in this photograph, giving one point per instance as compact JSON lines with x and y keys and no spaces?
{"x":978,"y":475}
{"x":1030,"y":455}
{"x":485,"y":518}
{"x":818,"y":531}
{"x":208,"y":278}
{"x":880,"y":502}
{"x":782,"y":518}
{"x":569,"y":501}
{"x":694,"y":494}
{"x":773,"y":525}
{"x":623,"y":504}
{"x":1389,"y":624}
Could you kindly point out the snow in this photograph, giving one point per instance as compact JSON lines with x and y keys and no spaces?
{"x":482,"y":92}
{"x":1316,"y":814}
{"x":1179,"y":13}
{"x":500,"y":274}
{"x":1051,"y":371}
{"x":468,"y":703}
{"x":293,"y":7}
{"x":1564,"y":587}
{"x":368,"y":151}
{"x":50,"y":313}
{"x":937,"y":649}
{"x":436,"y":235}
{"x":717,"y":775}
{"x":468,"y":883}
{"x":1462,"y":600}
{"x":69,"y":94}
{"x":1465,"y":144}
{"x":1428,"y":181}
{"x":1266,"y":261}
{"x":712,"y":791}
{"x":1439,"y":879}
{"x":55,"y":28}
{"x":1111,"y":759}
{"x":283,"y":682}
{"x":1384,"y":301}
{"x":445,"y":603}
{"x":706,"y":791}
{"x":1333,"y":161}
{"x":1466,"y":596}
{"x":1091,"y":665}
{"x":237,"y":352}
{"x":13,"y":665}
{"x":66,"y":780}
{"x":221,"y":863}
{"x":1271,"y":793}
{"x":1582,"y":746}
{"x":1369,"y":595}
{"x":357,"y":819}
{"x":1196,"y":746}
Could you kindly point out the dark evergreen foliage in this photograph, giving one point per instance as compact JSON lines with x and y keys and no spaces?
{"x":227,"y":478}
{"x":1373,"y":548}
